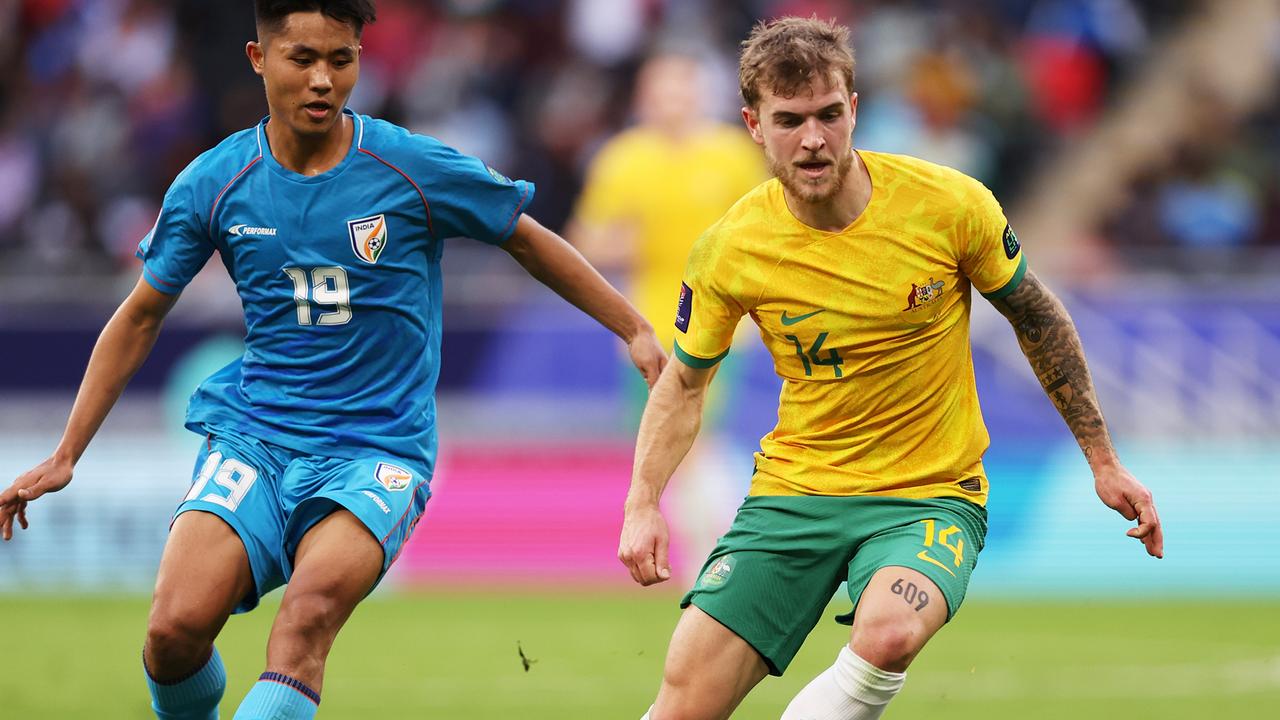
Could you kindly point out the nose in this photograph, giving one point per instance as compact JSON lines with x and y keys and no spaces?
{"x":812,"y":140}
{"x":320,"y":81}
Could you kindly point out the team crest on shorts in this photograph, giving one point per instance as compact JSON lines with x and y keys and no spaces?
{"x":393,"y":477}
{"x":718,"y":572}
{"x":368,"y":237}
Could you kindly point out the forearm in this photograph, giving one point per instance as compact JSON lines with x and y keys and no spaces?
{"x":1049,"y":339}
{"x":668,"y":428}
{"x":556,"y":264}
{"x":120,"y":350}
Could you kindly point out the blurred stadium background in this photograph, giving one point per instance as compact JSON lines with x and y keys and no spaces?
{"x":1134,"y":143}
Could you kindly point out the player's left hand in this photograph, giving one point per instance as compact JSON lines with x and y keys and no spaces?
{"x":1122,"y":492}
{"x":647,"y":355}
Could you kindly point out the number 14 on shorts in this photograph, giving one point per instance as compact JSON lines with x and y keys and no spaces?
{"x":947,"y":539}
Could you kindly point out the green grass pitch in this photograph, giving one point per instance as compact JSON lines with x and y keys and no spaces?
{"x":454,"y":655}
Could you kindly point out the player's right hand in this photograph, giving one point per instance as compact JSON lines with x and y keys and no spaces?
{"x":49,"y":476}
{"x":643,"y":545}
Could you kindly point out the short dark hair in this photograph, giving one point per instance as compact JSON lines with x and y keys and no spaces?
{"x":785,"y":55}
{"x":270,"y":14}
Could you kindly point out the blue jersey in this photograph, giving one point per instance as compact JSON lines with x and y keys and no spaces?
{"x":339,"y":276}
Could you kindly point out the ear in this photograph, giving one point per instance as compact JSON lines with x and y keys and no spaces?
{"x":853,"y":109}
{"x":752,"y":119}
{"x":257,"y":56}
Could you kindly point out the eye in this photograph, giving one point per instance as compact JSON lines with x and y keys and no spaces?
{"x":301,"y":61}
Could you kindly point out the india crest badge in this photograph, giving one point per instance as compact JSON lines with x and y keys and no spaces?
{"x":393,"y":477}
{"x":368,"y":237}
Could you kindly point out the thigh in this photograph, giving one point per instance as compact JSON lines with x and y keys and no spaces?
{"x":709,"y":669}
{"x":336,"y":560}
{"x":385,"y":496}
{"x":336,"y":565}
{"x":939,"y":539}
{"x":899,"y":611}
{"x":771,"y":576}
{"x":237,"y":480}
{"x":204,"y":574}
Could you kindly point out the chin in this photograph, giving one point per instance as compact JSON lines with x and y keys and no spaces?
{"x":810,"y":193}
{"x":307,"y":127}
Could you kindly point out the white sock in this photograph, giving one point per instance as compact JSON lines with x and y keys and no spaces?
{"x":852,"y":689}
{"x":646,"y":713}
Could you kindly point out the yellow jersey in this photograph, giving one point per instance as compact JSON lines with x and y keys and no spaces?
{"x":868,"y":328}
{"x":670,"y":191}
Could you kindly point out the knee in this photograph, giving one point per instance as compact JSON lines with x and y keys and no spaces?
{"x":889,"y":644}
{"x":174,"y":636}
{"x":682,"y":698}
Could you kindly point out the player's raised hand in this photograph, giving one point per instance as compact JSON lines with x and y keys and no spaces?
{"x":643,"y":545}
{"x":647,"y":355}
{"x":1122,"y":492}
{"x":49,"y":476}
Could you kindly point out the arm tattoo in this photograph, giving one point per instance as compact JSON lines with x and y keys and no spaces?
{"x":1049,"y":340}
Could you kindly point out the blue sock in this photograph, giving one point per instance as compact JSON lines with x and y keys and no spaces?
{"x":192,"y":698}
{"x":278,"y":697}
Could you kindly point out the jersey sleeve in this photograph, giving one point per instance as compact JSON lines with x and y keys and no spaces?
{"x":469,"y":199}
{"x":178,"y":245}
{"x":990,"y":255}
{"x":709,"y":310}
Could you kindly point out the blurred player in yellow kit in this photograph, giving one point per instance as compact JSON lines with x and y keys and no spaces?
{"x":650,"y":192}
{"x":857,"y":267}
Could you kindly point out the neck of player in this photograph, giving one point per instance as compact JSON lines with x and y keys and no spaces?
{"x":837,"y":212}
{"x":308,"y":154}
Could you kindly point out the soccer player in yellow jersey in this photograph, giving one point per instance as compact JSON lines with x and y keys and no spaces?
{"x":858,"y":268}
{"x":652,"y":189}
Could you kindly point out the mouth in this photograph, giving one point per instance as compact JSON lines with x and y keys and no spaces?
{"x":318,"y":109}
{"x":813,"y":169}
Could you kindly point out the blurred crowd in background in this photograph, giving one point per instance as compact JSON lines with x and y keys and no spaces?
{"x":1134,"y":143}
{"x":105,"y":101}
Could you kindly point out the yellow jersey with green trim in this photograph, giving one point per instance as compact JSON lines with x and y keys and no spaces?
{"x":868,"y":328}
{"x":669,"y":191}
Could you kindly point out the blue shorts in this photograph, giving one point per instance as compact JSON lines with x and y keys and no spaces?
{"x":271,"y":496}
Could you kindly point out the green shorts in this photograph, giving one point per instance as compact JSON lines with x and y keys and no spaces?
{"x":770,"y":577}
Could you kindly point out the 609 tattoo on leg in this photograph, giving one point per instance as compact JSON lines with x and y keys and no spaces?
{"x":910,"y":593}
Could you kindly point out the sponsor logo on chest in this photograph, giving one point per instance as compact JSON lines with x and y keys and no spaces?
{"x":368,"y":237}
{"x":243,"y":230}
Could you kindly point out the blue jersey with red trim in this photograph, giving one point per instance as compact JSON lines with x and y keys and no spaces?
{"x":339,"y":276}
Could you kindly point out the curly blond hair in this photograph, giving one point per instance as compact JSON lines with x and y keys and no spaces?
{"x":786,"y":55}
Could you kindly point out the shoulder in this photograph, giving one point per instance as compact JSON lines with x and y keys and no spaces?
{"x":399,"y":146}
{"x":214,"y":169}
{"x":944,"y":183}
{"x":759,"y":209}
{"x":746,"y":223}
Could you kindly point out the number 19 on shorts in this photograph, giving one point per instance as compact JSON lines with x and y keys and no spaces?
{"x":231,"y":474}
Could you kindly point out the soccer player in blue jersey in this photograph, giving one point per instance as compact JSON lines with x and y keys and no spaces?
{"x":320,"y":440}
